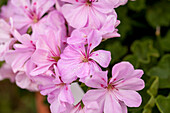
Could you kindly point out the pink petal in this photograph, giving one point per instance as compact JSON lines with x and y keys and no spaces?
{"x":17,"y":59}
{"x":137,"y":73}
{"x":74,"y":1}
{"x":75,"y":15}
{"x":98,"y":80}
{"x":102,"y":57}
{"x":43,"y":6}
{"x":129,"y":97}
{"x":66,"y":95}
{"x":40,"y":57}
{"x":111,"y":105}
{"x":47,"y":89}
{"x":40,"y":70}
{"x":124,"y":107}
{"x":102,"y":7}
{"x":77,"y":37}
{"x":73,"y":52}
{"x":122,"y":70}
{"x":94,"y":95}
{"x":131,"y":84}
{"x":21,"y":3}
{"x":94,"y":39}
{"x":22,"y":80}
{"x":70,"y":70}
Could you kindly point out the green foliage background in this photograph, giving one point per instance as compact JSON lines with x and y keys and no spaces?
{"x":144,"y":41}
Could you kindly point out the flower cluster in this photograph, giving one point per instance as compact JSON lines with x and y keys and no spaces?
{"x":49,"y":46}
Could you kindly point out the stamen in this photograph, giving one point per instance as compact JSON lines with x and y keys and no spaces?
{"x":117,"y":81}
{"x":85,"y":60}
{"x":56,"y":58}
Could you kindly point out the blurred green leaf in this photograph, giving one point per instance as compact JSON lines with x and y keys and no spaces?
{"x":152,"y":91}
{"x":142,"y":52}
{"x":165,"y":42}
{"x":117,"y":50}
{"x":15,"y":100}
{"x":162,"y":70}
{"x":158,"y":14}
{"x":163,"y":103}
{"x":137,"y":5}
{"x":1,"y":63}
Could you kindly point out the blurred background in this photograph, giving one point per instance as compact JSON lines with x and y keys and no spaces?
{"x":144,"y":41}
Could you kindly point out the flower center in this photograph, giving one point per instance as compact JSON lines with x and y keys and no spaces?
{"x":85,"y":60}
{"x":35,"y":19}
{"x":110,"y":87}
{"x":89,"y":2}
{"x":56,"y":58}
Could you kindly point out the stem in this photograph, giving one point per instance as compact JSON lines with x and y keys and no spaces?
{"x":158,"y":36}
{"x":41,"y":107}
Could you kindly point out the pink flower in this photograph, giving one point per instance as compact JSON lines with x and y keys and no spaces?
{"x":113,"y":97}
{"x":47,"y":53}
{"x":24,"y":80}
{"x":58,"y":5}
{"x":78,"y":60}
{"x":84,"y":13}
{"x":59,"y":93}
{"x":6,"y":38}
{"x":55,"y":22}
{"x":108,"y":30}
{"x":22,"y":53}
{"x":8,"y":11}
{"x":30,"y":12}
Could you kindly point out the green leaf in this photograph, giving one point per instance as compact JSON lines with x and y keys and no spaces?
{"x":162,"y":70}
{"x":165,"y":42}
{"x":163,"y":103}
{"x":1,"y":63}
{"x":137,"y":5}
{"x":3,"y":2}
{"x":158,"y":14}
{"x":152,"y":91}
{"x":117,"y":50}
{"x":144,"y":50}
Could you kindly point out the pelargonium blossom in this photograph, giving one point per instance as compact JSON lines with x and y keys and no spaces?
{"x":106,"y":26}
{"x":79,"y":60}
{"x":113,"y":97}
{"x":22,"y":52}
{"x":24,"y":80}
{"x":55,"y":22}
{"x":6,"y":38}
{"x":108,"y":30}
{"x":47,"y":53}
{"x":84,"y":13}
{"x":31,"y":12}
{"x":59,"y":93}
